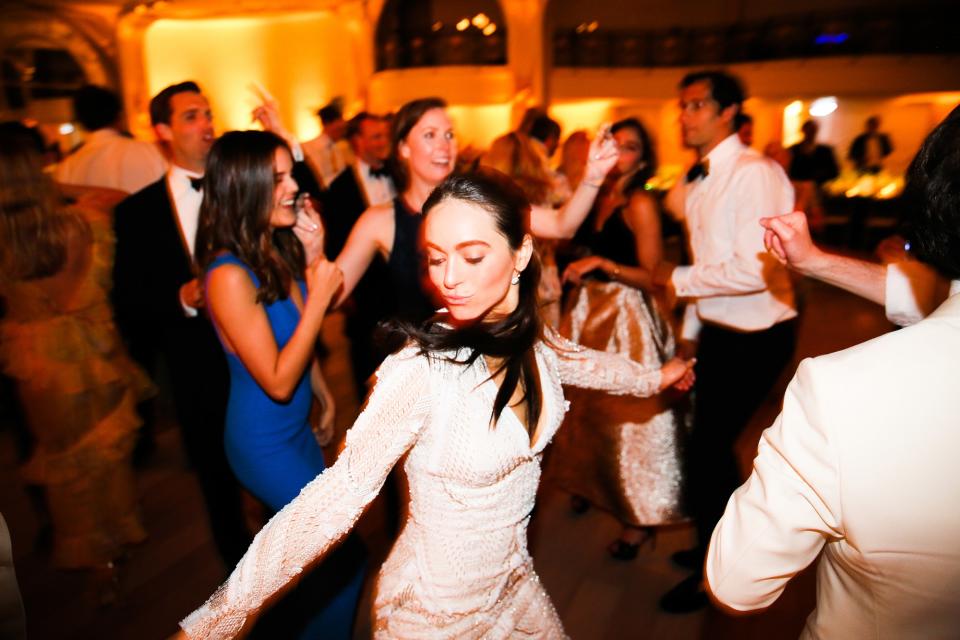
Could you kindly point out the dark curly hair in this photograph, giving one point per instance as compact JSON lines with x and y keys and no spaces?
{"x":931,"y":198}
{"x":235,"y":214}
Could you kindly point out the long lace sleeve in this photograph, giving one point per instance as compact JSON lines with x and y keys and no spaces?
{"x":327,"y":507}
{"x":579,"y":366}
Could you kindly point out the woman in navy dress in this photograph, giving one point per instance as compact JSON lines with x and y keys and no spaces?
{"x":267,"y":299}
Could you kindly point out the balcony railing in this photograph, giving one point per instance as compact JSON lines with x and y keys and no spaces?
{"x":441,"y":48}
{"x":807,"y":36}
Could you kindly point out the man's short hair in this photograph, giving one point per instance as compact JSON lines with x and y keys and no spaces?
{"x":355,"y":124}
{"x":741,"y":119}
{"x":544,"y":127}
{"x":330,"y":113}
{"x":160,"y":110}
{"x":95,"y":107}
{"x":931,"y":198}
{"x":725,"y":89}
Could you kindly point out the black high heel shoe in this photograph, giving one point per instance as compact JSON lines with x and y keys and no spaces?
{"x":622,"y":550}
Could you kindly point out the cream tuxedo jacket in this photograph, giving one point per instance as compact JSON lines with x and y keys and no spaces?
{"x":863,"y":465}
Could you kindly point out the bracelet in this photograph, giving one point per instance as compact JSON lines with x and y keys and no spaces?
{"x":595,"y":185}
{"x":615,"y":273}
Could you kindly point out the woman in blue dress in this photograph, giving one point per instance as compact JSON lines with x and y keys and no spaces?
{"x":267,"y":298}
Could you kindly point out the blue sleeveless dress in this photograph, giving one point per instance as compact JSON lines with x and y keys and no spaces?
{"x":274,"y":454}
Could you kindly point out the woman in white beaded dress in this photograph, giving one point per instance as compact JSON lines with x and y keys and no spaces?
{"x":471,"y":401}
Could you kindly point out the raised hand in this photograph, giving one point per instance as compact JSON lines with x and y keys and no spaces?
{"x":309,"y":230}
{"x":323,"y":278}
{"x":191,"y":294}
{"x":601,"y":157}
{"x":787,"y":237}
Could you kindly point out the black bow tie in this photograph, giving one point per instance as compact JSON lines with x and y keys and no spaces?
{"x":382,"y":172}
{"x":699,"y":170}
{"x":196,"y":183}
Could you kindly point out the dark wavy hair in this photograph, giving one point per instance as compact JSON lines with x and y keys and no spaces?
{"x":725,"y":88}
{"x":513,"y":337}
{"x":648,"y":159}
{"x":35,"y":227}
{"x":235,"y":214}
{"x":931,"y":198}
{"x":406,"y":119}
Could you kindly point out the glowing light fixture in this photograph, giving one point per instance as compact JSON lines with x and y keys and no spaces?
{"x":823,"y":106}
{"x":480,"y":20}
{"x":593,"y":26}
{"x":463,"y":25}
{"x":792,"y":119}
{"x":490,"y":29}
{"x":66,"y":129}
{"x":437,"y":26}
{"x":831,"y":38}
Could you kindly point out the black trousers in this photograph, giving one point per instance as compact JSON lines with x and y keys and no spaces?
{"x":735,"y":372}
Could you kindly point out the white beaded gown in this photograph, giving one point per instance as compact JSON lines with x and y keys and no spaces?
{"x":460,"y":568}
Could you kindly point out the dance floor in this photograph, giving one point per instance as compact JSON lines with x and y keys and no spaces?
{"x":598,"y":598}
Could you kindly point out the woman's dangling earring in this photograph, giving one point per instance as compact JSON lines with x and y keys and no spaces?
{"x":516,"y":278}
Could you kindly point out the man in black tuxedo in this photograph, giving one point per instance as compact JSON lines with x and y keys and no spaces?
{"x":366,"y":183}
{"x":158,"y":300}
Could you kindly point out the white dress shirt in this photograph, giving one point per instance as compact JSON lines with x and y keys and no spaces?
{"x":186,"y":204}
{"x":326,"y":157}
{"x":377,"y":190}
{"x":913,"y":290}
{"x":734,"y":282}
{"x":109,"y":159}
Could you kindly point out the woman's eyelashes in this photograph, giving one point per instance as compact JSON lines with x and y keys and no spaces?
{"x":436,"y":261}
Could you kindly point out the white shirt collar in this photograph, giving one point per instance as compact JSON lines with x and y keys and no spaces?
{"x":724,"y":152}
{"x":179,"y":179}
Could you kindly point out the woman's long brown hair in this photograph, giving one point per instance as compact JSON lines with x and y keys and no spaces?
{"x":238,"y":194}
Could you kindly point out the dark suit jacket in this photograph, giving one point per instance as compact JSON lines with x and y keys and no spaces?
{"x":858,"y":150}
{"x":343,"y":203}
{"x":150,"y":266}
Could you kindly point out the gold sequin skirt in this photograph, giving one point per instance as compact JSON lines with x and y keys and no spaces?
{"x":623,"y":454}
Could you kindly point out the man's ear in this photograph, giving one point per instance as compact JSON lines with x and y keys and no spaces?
{"x":164,"y":132}
{"x":727,"y":115}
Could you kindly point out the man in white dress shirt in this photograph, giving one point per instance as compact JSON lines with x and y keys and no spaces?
{"x":329,"y":153}
{"x":740,"y":310}
{"x":107,"y":157}
{"x":861,"y":468}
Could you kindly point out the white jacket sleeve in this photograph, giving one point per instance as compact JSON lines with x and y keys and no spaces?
{"x":778,"y":521}
{"x":328,"y":507}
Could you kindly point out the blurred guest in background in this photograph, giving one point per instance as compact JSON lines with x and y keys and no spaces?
{"x":622,"y":455}
{"x":810,"y":161}
{"x":77,"y":386}
{"x":811,"y":165}
{"x":329,"y":153}
{"x":870,"y":148}
{"x":108,"y":157}
{"x":368,"y":183}
{"x":573,"y":159}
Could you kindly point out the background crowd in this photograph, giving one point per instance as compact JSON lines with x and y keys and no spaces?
{"x":195,"y":262}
